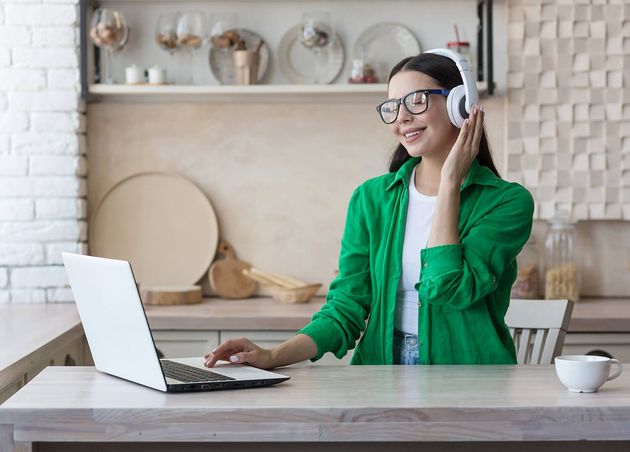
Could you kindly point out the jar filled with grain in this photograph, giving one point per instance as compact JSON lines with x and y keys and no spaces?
{"x":526,"y":284}
{"x":562,"y":275}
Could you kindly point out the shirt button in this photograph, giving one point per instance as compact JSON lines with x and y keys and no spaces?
{"x":424,"y":264}
{"x":419,"y":304}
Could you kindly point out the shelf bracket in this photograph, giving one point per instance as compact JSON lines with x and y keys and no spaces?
{"x":487,"y":24}
{"x":84,"y":7}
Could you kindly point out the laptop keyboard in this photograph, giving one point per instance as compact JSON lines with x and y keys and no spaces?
{"x":183,"y":372}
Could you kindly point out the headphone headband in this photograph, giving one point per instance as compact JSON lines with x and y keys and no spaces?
{"x":470,"y":86}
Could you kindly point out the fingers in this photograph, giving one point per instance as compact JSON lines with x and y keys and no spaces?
{"x":226,"y":350}
{"x":476,"y":139}
{"x":472,"y":123}
{"x":475,"y":125}
{"x":242,"y":357}
{"x":463,"y":134}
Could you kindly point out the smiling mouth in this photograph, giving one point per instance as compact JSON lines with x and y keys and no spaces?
{"x":410,"y":136}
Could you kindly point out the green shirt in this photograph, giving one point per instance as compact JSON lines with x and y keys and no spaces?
{"x":463,"y":289}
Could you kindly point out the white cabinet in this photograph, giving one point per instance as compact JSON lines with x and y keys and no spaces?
{"x":74,"y":352}
{"x":9,"y":389}
{"x":269,"y":339}
{"x":179,"y":344}
{"x":617,"y":345}
{"x":173,"y":344}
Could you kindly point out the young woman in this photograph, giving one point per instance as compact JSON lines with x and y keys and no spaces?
{"x":428,"y":253}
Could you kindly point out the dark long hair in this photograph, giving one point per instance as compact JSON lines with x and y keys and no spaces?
{"x":444,"y":71}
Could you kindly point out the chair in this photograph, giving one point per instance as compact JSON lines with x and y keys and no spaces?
{"x":538,"y":328}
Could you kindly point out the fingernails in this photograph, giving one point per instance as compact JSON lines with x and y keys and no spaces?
{"x":214,"y":351}
{"x":233,"y":358}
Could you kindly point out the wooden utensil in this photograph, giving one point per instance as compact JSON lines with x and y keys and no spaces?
{"x":226,"y":275}
{"x":170,"y":295}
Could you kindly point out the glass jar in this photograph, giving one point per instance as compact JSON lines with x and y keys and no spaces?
{"x":562,"y":276}
{"x":463,"y":48}
{"x":527,"y":278}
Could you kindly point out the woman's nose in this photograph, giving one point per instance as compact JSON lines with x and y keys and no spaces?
{"x":404,"y":116}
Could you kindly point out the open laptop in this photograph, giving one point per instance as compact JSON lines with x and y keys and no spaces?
{"x":120,"y":339}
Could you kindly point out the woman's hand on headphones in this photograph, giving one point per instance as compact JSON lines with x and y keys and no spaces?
{"x":464,"y":150}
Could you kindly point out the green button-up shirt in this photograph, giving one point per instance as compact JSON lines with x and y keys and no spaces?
{"x":463,"y":289}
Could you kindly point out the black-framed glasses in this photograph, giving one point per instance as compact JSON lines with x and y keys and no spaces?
{"x":416,"y":102}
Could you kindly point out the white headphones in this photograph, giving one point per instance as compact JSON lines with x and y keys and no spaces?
{"x":461,"y":99}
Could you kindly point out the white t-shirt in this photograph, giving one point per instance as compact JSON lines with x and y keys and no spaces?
{"x":419,"y":217}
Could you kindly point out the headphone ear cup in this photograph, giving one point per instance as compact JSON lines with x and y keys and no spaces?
{"x":455,"y":106}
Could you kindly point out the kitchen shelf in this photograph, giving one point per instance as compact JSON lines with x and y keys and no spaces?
{"x":369,"y":92}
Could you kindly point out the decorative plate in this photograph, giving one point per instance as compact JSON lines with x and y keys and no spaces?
{"x":300,"y":64}
{"x":221,"y":59}
{"x":383,"y":45}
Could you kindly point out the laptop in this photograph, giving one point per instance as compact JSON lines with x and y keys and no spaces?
{"x":121,"y":342}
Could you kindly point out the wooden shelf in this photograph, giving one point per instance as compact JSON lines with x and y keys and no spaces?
{"x":371,"y":92}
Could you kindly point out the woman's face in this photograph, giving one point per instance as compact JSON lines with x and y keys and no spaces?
{"x":427,"y":134}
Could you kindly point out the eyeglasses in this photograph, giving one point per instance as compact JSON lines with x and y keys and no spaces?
{"x":415,"y":102}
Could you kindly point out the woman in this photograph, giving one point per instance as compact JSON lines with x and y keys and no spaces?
{"x":443,"y":213}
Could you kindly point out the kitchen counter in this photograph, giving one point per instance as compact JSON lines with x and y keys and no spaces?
{"x":30,"y":334}
{"x":220,"y":314}
{"x":401,"y":405}
{"x":601,"y":315}
{"x":32,"y":330}
{"x":590,"y":315}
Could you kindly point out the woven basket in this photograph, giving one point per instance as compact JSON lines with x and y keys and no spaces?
{"x":296,"y":295}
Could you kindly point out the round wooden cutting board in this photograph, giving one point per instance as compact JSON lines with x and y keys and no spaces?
{"x":162,"y":223}
{"x":170,"y":295}
{"x":226,"y":274}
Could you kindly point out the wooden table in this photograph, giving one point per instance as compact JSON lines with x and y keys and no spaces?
{"x":360,"y":406}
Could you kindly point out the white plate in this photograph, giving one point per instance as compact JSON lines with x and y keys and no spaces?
{"x":383,"y":45}
{"x":299,"y":64}
{"x":221,"y":59}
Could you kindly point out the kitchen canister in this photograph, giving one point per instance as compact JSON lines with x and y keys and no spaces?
{"x":134,"y":75}
{"x":526,"y":284}
{"x":562,"y":271}
{"x":157,"y":75}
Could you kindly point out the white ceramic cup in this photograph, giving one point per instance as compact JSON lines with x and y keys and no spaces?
{"x":133,"y":75}
{"x":157,"y":75}
{"x":585,"y":373}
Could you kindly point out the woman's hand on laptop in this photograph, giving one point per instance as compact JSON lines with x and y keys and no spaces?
{"x":240,"y":351}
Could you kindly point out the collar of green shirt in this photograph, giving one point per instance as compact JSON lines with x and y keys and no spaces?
{"x":477,"y":174}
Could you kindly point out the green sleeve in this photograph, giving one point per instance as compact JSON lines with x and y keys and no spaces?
{"x":338,"y":325}
{"x":462,"y":274}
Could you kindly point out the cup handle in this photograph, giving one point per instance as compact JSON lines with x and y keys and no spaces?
{"x":617,"y":372}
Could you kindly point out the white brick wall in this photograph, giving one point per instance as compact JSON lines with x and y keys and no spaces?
{"x":42,"y":147}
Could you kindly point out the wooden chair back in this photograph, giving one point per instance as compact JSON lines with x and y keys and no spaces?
{"x":538,"y":328}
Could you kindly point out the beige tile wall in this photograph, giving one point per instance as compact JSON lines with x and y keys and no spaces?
{"x":568,"y":131}
{"x":279,"y":176}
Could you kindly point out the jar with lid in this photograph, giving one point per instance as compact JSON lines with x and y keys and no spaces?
{"x":526,"y":284}
{"x":463,"y":48}
{"x":362,"y":72}
{"x":562,"y":275}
